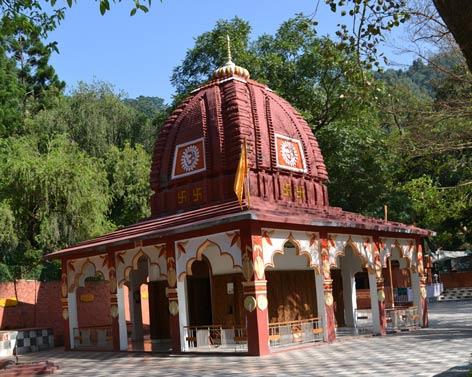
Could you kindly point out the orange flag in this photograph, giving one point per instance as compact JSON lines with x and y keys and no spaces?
{"x":240,"y":180}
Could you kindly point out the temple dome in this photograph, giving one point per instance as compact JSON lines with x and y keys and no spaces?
{"x":197,"y":151}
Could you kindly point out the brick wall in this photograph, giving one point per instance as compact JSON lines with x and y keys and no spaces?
{"x":457,"y":279}
{"x":39,"y":305}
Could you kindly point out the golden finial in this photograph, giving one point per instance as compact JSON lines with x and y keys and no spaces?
{"x":230,"y":69}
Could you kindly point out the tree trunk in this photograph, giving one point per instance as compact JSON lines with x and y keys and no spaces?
{"x":457,"y":14}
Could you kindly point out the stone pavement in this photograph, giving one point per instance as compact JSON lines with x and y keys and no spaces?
{"x":443,"y":350}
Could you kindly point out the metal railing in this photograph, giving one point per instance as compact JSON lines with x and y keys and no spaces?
{"x":402,"y":318}
{"x":295,"y":332}
{"x":93,"y":337}
{"x":216,"y":337}
{"x":363,"y":320}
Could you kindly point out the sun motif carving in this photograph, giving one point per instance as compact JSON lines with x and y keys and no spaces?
{"x":190,"y":157}
{"x":289,"y":153}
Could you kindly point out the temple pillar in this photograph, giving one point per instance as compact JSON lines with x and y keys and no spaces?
{"x":73,"y":318}
{"x":349,"y":296}
{"x":114,"y":310}
{"x":65,"y":306}
{"x":136,"y":316}
{"x":255,"y":290}
{"x":380,"y":288}
{"x":320,"y":303}
{"x":416,"y":291}
{"x":153,"y":273}
{"x":330,"y":322}
{"x":374,"y":299}
{"x":153,"y":304}
{"x":183,"y":312}
{"x":423,"y":299}
{"x":120,"y":295}
{"x":173,"y":297}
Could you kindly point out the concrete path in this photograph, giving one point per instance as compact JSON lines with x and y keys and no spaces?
{"x":442,"y":350}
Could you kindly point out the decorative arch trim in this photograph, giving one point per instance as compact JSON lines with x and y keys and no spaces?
{"x":199,"y":256}
{"x":300,"y":251}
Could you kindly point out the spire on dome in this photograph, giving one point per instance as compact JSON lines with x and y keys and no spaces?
{"x":228,"y":46}
{"x":230,"y":69}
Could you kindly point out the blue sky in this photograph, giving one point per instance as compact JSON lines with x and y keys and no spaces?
{"x":137,"y":54}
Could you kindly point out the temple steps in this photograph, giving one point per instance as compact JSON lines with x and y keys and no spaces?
{"x":456,"y":294}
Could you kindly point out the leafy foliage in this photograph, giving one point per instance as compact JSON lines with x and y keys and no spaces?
{"x":128,"y":175}
{"x":57,"y":197}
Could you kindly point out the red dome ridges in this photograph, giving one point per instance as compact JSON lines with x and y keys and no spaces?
{"x":196,"y":154}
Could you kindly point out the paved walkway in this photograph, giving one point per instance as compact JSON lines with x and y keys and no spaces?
{"x":443,"y":350}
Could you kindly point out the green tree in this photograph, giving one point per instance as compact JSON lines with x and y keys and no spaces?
{"x":24,"y":42}
{"x":128,"y":175}
{"x":57,"y":197}
{"x":11,"y":95}
{"x":96,"y":117}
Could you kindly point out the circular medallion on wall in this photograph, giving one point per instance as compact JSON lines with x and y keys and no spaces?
{"x":190,"y":157}
{"x":250,"y":303}
{"x":174,"y":307}
{"x":262,"y":302}
{"x":289,"y":153}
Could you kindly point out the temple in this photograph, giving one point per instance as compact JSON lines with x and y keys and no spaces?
{"x":281,"y":268}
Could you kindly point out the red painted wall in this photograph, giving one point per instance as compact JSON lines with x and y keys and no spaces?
{"x":457,"y":279}
{"x":39,"y":305}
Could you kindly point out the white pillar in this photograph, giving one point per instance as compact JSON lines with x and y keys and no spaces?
{"x":135,"y":307}
{"x":415,"y":287}
{"x":183,"y":312}
{"x":73,"y":319}
{"x":320,"y":302}
{"x":374,"y":303}
{"x":120,"y":294}
{"x":349,"y":296}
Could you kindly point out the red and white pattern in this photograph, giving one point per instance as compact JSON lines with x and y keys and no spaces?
{"x":289,"y":153}
{"x":189,"y":158}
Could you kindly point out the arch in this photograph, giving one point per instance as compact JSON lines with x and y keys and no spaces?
{"x":396,"y":245}
{"x":342,"y":253}
{"x":390,"y":255}
{"x":299,"y":251}
{"x":87,"y":269}
{"x":133,"y":266}
{"x":204,"y":246}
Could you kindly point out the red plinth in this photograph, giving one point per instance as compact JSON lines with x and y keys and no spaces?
{"x":330,"y":324}
{"x":258,"y":332}
{"x":66,"y":335}
{"x":175,"y":333}
{"x":115,"y":333}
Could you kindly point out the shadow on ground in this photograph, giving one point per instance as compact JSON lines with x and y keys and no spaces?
{"x":463,"y":370}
